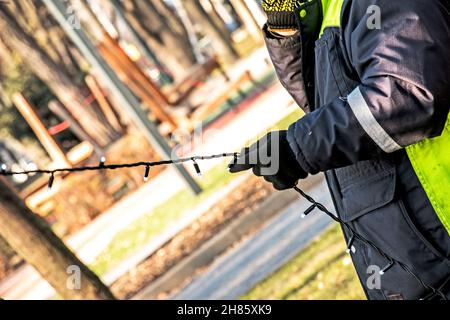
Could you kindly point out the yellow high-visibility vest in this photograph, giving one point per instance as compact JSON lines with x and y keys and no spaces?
{"x":430,"y":158}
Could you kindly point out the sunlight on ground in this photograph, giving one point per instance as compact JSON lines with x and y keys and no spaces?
{"x":323,"y":271}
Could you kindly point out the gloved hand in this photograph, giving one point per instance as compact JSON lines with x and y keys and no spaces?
{"x":272,"y":158}
{"x":280,"y":13}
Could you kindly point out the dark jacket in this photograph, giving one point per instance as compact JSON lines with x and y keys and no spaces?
{"x":368,"y":94}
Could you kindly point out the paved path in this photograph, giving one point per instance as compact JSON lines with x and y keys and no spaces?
{"x":237,"y":271}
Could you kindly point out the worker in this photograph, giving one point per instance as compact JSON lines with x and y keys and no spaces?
{"x":373,"y":77}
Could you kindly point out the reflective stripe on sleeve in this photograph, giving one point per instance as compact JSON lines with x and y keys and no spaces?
{"x":370,"y":125}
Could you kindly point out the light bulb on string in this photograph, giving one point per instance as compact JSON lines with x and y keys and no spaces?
{"x":197,"y":167}
{"x":50,"y":181}
{"x":386,"y":268}
{"x":102,"y":162}
{"x":350,"y":247}
{"x":308,"y":211}
{"x":146,"y":173}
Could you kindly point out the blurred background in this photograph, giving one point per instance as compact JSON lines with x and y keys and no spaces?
{"x":142,"y":80}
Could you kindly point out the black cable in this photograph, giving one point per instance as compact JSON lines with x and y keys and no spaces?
{"x":104,"y":166}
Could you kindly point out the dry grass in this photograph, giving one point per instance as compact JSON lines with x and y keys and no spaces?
{"x":323,"y":271}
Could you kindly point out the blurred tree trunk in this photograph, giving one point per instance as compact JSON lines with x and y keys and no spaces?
{"x":33,"y":239}
{"x":172,"y":17}
{"x":248,"y":19}
{"x":162,"y":32}
{"x":168,"y":29}
{"x":211,"y":28}
{"x":5,"y":57}
{"x":119,"y":15}
{"x":254,"y":6}
{"x":217,"y":19}
{"x":35,"y":19}
{"x":5,"y":101}
{"x":51,"y":74}
{"x":164,"y":57}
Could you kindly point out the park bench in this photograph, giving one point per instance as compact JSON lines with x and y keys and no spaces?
{"x":214,"y":102}
{"x":195,"y":76}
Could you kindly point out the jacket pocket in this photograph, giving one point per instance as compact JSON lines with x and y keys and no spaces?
{"x":370,"y":203}
{"x":371,"y":206}
{"x":359,"y":198}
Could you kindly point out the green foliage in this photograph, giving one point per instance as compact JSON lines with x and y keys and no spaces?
{"x":16,"y":77}
{"x":6,"y":252}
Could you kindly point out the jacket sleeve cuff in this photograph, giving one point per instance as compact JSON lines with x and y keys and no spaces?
{"x":286,"y":56}
{"x":299,"y":155}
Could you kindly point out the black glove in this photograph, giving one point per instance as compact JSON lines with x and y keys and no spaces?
{"x":272,"y":158}
{"x":281,"y":13}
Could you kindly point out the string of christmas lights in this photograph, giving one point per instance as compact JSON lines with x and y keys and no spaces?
{"x":194,"y":160}
{"x":104,"y":166}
